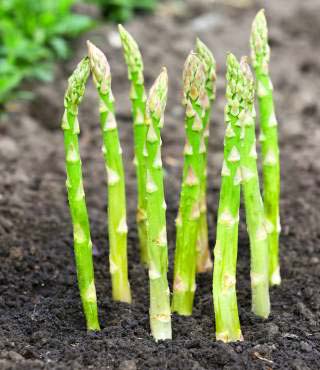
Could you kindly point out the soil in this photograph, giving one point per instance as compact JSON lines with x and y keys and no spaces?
{"x":41,"y":322}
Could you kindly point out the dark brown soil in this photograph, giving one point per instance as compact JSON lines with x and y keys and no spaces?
{"x":41,"y":323}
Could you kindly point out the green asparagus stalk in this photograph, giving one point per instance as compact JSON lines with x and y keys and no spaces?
{"x":196,"y":102}
{"x":160,"y":314}
{"x":138,"y":102}
{"x":255,"y":217}
{"x":260,"y":52}
{"x":204,"y":262}
{"x":226,"y":248}
{"x":76,"y":196}
{"x":117,"y":224}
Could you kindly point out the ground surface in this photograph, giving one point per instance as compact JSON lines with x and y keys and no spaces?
{"x":41,"y":324}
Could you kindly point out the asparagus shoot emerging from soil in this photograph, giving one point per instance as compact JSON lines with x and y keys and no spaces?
{"x":260,"y":54}
{"x":117,"y":224}
{"x":196,"y":101}
{"x":138,"y":101}
{"x":204,"y":262}
{"x":76,"y":196}
{"x":255,"y":217}
{"x":226,"y":248}
{"x":160,"y":314}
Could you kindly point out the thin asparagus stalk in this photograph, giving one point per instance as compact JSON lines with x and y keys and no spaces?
{"x":204,"y":262}
{"x":260,"y":53}
{"x":255,"y":217}
{"x":138,"y":102}
{"x":160,"y":314}
{"x":117,"y":224}
{"x":226,"y":248}
{"x":196,"y":101}
{"x":76,"y":196}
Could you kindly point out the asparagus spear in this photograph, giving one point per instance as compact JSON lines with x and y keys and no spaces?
{"x":226,"y":248}
{"x":160,"y":315}
{"x":260,"y":52}
{"x":117,"y":224}
{"x":76,"y":196}
{"x":138,"y":101}
{"x":196,"y":101}
{"x":204,"y":262}
{"x":252,"y":200}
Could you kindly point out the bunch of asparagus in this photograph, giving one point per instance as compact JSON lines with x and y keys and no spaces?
{"x":239,"y":171}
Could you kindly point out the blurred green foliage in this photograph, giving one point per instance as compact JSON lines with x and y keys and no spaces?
{"x":122,"y":10}
{"x":32,"y":34}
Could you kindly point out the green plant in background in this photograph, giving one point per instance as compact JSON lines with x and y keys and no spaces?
{"x":226,"y":247}
{"x":255,"y":218}
{"x":122,"y":10}
{"x":41,"y":28}
{"x":117,"y":220}
{"x":260,"y":53}
{"x":138,"y":102}
{"x":197,"y":102}
{"x":204,"y":262}
{"x":76,"y":196}
{"x":160,"y":313}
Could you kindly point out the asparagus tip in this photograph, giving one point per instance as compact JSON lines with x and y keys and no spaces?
{"x":99,"y":66}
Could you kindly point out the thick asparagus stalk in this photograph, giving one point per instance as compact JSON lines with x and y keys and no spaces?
{"x":138,"y":101}
{"x":260,"y":52}
{"x":196,"y":101}
{"x":160,"y":314}
{"x":226,"y":248}
{"x":204,"y":262}
{"x":255,"y":217}
{"x":76,"y":196}
{"x":117,"y":224}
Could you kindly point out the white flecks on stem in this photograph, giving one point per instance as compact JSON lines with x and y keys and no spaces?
{"x":195,"y":211}
{"x":225,"y":169}
{"x":164,"y":205}
{"x":227,"y":219}
{"x":72,"y":154}
{"x":110,"y":122}
{"x":237,"y":177}
{"x":80,"y":192}
{"x":191,"y":178}
{"x":229,"y":282}
{"x":261,"y":90}
{"x":179,"y":285}
{"x":257,"y":279}
{"x":145,"y":151}
{"x":270,"y":158}
{"x":65,"y":123}
{"x":247,"y":174}
{"x":187,"y":148}
{"x":139,"y":117}
{"x":103,"y":106}
{"x":113,"y":177}
{"x":90,"y":293}
{"x":122,"y":227}
{"x":272,"y":120}
{"x":197,"y":123}
{"x":269,"y":226}
{"x":113,"y":266}
{"x":162,"y":238}
{"x":157,"y":161}
{"x":261,"y":233}
{"x":79,"y":234}
{"x":153,"y":272}
{"x":203,"y":147}
{"x":151,"y":186}
{"x":262,"y":137}
{"x":229,"y":131}
{"x":76,"y":127}
{"x":253,"y":151}
{"x":234,"y":155}
{"x":275,"y":277}
{"x":104,"y":149}
{"x":152,"y":135}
